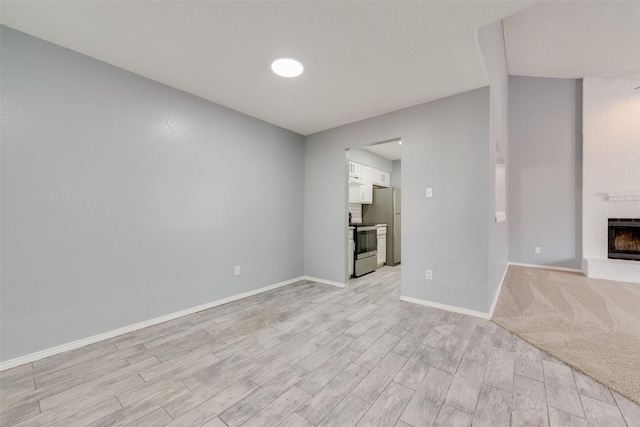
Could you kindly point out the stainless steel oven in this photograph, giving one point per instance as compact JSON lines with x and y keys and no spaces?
{"x":366,"y":239}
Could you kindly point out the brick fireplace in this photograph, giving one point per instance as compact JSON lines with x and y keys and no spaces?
{"x":611,"y":179}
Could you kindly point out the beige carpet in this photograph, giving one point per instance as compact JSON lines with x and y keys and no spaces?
{"x":592,"y":325}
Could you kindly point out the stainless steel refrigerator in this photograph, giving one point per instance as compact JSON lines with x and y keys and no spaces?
{"x":385,"y":209}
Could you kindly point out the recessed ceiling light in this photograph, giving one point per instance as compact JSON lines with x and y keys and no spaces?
{"x":400,"y":142}
{"x":287,"y":67}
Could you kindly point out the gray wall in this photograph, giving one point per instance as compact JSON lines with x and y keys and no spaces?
{"x":396,"y":174}
{"x":445,"y":145}
{"x":544,"y":181}
{"x":124,"y":199}
{"x":491,"y":39}
{"x":365,"y":157}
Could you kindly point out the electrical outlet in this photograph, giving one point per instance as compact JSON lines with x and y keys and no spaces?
{"x":537,"y":250}
{"x":428,"y":275}
{"x":237,"y":272}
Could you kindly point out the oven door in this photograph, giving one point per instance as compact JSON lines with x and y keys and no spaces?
{"x":366,"y":242}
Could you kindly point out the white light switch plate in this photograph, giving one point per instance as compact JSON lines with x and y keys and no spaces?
{"x":429,"y":192}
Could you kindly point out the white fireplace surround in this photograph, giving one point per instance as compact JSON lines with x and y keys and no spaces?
{"x":611,"y":176}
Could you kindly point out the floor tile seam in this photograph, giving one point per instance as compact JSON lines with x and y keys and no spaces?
{"x":335,"y":406}
{"x":563,"y":411}
{"x":157,"y":329}
{"x":170,"y":384}
{"x":475,"y":408}
{"x":237,"y":380}
{"x":15,"y":379}
{"x":164,"y":410}
{"x":259,"y":387}
{"x":35,"y":387}
{"x":404,"y":407}
{"x":217,"y":375}
{"x":573,"y":371}
{"x":77,"y":411}
{"x":144,"y":344}
{"x":440,"y":410}
{"x":575,"y":385}
{"x":115,"y":377}
{"x":546,"y":400}
{"x":310,"y":423}
{"x":408,"y":357}
{"x":512,"y":391}
{"x":495,"y":388}
{"x":604,"y":403}
{"x":177,"y":360}
{"x":36,"y":372}
{"x":10,"y":373}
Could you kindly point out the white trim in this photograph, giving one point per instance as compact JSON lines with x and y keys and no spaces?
{"x":326,"y":282}
{"x":495,"y":298}
{"x":623,"y":196}
{"x":546,"y":267}
{"x":32,"y":357}
{"x":455,"y":309}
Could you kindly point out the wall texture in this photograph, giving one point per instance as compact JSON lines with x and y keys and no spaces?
{"x":545,"y":171}
{"x":445,"y":146}
{"x":611,"y":150}
{"x":124,"y":199}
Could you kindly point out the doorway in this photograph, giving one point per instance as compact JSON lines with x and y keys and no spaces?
{"x":374,"y":169}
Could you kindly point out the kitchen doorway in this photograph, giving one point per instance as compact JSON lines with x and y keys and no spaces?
{"x":374,"y":200}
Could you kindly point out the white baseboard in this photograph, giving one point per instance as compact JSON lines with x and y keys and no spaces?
{"x":546,"y":267}
{"x":326,"y":282}
{"x":497,"y":295}
{"x":32,"y":357}
{"x":455,"y":309}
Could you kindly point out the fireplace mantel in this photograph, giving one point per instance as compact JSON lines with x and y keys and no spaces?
{"x":623,"y":196}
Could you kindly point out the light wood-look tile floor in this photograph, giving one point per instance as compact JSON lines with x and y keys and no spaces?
{"x":310,"y":354}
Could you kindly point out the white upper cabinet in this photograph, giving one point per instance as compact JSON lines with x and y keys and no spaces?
{"x":355,"y":172}
{"x":362,"y":193}
{"x":366,"y":191}
{"x":361,"y":181}
{"x":380,"y":178}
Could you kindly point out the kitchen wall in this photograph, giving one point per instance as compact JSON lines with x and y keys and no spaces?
{"x":355,"y":209}
{"x":611,"y":133}
{"x":396,"y":174}
{"x":445,"y":146}
{"x":545,"y":171}
{"x":365,"y":157}
{"x":124,"y":199}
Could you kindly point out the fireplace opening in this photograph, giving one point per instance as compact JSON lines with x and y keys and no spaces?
{"x":624,"y":238}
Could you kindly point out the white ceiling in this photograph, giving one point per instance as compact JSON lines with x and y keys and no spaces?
{"x":361,"y":58}
{"x":575,"y":40}
{"x":390,"y":150}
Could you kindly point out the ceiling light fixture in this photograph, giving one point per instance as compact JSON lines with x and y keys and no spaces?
{"x":400,"y":142}
{"x":287,"y":67}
